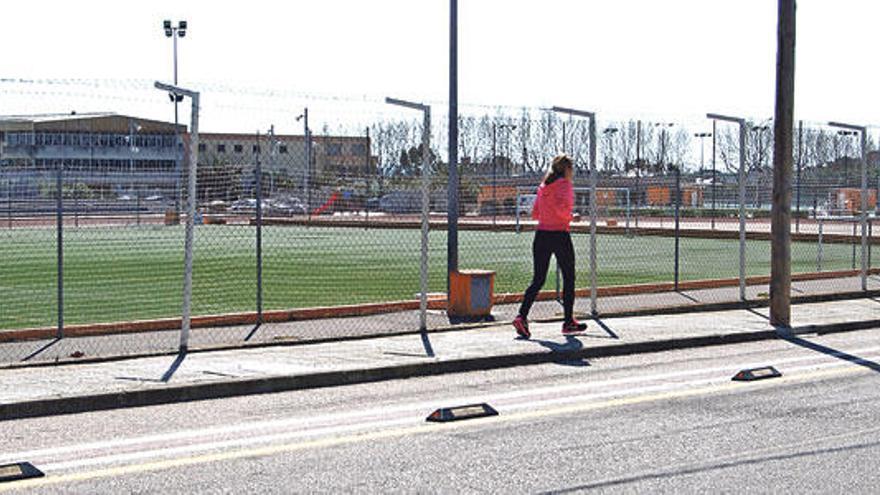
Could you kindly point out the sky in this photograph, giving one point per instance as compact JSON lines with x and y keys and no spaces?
{"x":642,"y":58}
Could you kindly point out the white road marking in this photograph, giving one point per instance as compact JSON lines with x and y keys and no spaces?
{"x":504,"y":401}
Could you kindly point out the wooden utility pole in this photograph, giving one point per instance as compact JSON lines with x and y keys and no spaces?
{"x":780,"y":272}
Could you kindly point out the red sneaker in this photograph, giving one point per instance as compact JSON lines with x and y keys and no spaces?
{"x":522,"y":327}
{"x":573,"y":327}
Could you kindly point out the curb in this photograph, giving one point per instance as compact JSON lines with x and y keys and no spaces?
{"x":246,"y":387}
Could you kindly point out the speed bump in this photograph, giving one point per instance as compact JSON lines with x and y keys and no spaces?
{"x":19,"y":471}
{"x":750,"y":375}
{"x":445,"y":414}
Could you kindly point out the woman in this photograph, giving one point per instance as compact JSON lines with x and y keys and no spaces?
{"x":553,"y":211}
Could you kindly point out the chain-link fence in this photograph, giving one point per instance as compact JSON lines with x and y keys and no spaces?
{"x":312,"y":230}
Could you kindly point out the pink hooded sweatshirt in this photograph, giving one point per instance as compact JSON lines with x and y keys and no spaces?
{"x":553,"y":206}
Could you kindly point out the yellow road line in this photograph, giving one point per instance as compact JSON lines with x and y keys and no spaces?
{"x":421,"y":429}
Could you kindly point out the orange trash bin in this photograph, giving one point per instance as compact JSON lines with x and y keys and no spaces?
{"x":472,"y":293}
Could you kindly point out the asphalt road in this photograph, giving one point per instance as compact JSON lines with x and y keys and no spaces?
{"x":666,"y":422}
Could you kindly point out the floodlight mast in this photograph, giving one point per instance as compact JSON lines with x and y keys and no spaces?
{"x":175,"y":32}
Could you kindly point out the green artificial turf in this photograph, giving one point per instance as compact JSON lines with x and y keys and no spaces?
{"x":133,"y":273}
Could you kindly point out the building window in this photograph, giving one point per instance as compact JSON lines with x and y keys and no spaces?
{"x":203,"y":147}
{"x":238,"y":148}
{"x":282,"y":149}
{"x":221,"y":148}
{"x":359,"y":149}
{"x":334,"y":149}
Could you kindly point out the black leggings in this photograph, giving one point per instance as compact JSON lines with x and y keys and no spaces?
{"x":546,"y":243}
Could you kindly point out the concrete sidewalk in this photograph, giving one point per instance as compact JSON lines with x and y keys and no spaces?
{"x":45,"y":390}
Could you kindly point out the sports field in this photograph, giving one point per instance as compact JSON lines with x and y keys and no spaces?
{"x":134,"y":273}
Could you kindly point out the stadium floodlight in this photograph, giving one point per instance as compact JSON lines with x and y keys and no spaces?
{"x":174,"y":33}
{"x":863,"y":193}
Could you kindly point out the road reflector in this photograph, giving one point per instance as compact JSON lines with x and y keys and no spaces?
{"x":472,"y":411}
{"x":19,"y":471}
{"x":753,"y":374}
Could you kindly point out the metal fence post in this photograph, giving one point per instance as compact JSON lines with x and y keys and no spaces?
{"x":367,"y":174}
{"x":594,"y":179}
{"x":191,"y":211}
{"x":190,"y":226}
{"x":853,"y":242}
{"x":797,"y":218}
{"x":426,"y":182}
{"x":593,"y":208}
{"x":864,"y":198}
{"x":742,"y":210}
{"x":864,"y":209}
{"x":677,"y":221}
{"x":742,"y":197}
{"x":59,"y":213}
{"x":819,"y":248}
{"x":258,"y":176}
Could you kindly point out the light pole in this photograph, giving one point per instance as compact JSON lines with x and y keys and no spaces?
{"x":760,"y":159}
{"x":426,"y":167}
{"x":714,"y":177}
{"x":307,"y":135}
{"x":702,"y":136}
{"x":591,"y":116}
{"x":509,"y":128}
{"x":663,"y":126}
{"x":846,"y":134}
{"x":609,"y":135}
{"x":742,"y":196}
{"x":175,"y":32}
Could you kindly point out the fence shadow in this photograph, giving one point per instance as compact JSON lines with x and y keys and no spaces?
{"x":253,"y":332}
{"x":169,"y":373}
{"x":806,"y":344}
{"x":607,"y":329}
{"x":42,"y":349}
{"x":426,"y":343}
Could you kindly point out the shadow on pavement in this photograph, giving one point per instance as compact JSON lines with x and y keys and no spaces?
{"x":426,"y":343}
{"x":174,"y":366}
{"x":571,"y":345}
{"x":688,"y":297}
{"x":253,"y":332}
{"x":41,"y":349}
{"x":720,"y":465}
{"x":871,"y":365}
{"x":757,"y":313}
{"x":607,"y":329}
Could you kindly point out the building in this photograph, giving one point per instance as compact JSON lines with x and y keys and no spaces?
{"x":106,"y":155}
{"x":339,"y":156}
{"x":99,"y":154}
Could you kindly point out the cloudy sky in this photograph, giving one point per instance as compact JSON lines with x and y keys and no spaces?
{"x":669,"y":58}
